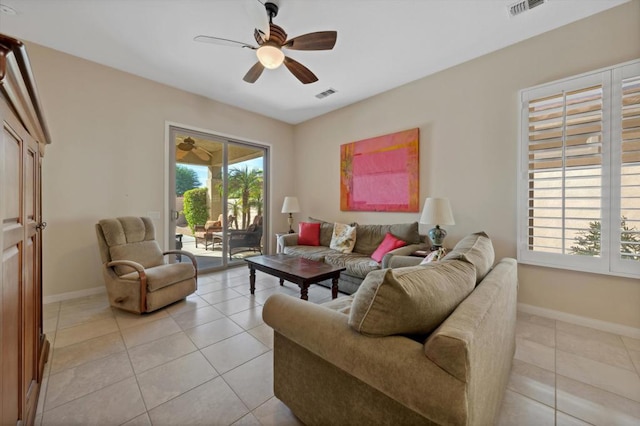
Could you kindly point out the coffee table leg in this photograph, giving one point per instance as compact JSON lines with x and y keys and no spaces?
{"x":252,"y":279}
{"x":304,"y":291}
{"x":334,"y":288}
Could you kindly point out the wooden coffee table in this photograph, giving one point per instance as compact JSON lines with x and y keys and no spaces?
{"x":297,"y":270}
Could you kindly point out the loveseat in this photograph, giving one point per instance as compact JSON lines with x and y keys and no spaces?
{"x":359,"y":262}
{"x":425,"y":344}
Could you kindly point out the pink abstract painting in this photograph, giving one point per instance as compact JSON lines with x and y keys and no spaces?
{"x":381,"y":173}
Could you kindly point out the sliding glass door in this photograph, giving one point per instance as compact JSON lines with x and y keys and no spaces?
{"x":216,"y":197}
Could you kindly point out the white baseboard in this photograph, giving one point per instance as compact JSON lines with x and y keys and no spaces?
{"x":610,"y":327}
{"x":73,"y":295}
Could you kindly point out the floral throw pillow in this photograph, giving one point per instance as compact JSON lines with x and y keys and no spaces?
{"x":434,"y":256}
{"x":344,"y":238}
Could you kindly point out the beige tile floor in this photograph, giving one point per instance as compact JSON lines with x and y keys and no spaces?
{"x":208,"y":360}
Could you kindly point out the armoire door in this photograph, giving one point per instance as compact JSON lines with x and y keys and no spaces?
{"x":19,"y":299}
{"x":30,"y":283}
{"x":12,"y":271}
{"x":23,"y":135}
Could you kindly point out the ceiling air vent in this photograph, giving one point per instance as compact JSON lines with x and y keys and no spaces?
{"x":326,"y":93}
{"x":523,"y":6}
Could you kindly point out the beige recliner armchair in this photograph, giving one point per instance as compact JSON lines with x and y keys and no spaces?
{"x":136,"y":275}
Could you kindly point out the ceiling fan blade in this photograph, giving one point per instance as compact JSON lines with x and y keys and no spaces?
{"x":258,"y":17}
{"x":321,"y":40}
{"x":301,"y":72}
{"x":252,"y":75}
{"x":180,"y":154}
{"x":202,"y":154}
{"x":222,"y":41}
{"x":259,"y":36}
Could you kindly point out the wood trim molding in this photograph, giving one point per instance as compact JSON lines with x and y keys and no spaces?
{"x":18,"y":86}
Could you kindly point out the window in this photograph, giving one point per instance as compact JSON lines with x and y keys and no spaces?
{"x":579,"y":173}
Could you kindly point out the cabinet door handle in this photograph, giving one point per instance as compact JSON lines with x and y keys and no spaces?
{"x":41,"y":226}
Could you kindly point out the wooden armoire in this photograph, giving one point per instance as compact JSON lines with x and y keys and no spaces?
{"x":23,"y":345}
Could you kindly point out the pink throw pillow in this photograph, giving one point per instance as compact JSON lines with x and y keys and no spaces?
{"x":309,"y":234}
{"x":389,"y":243}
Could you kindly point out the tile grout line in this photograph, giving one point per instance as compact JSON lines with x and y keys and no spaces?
{"x":135,"y":376}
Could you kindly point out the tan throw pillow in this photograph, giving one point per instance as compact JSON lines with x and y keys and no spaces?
{"x":413,"y":300}
{"x":476,"y":249}
{"x":344,"y":238}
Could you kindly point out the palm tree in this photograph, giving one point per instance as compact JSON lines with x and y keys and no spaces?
{"x":234,"y":208}
{"x":245,"y":184}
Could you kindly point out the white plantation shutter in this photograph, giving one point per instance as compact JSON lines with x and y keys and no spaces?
{"x":577,"y":179}
{"x":626,"y":257}
{"x":564,"y":167}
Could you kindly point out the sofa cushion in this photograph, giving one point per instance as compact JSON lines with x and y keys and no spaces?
{"x":316,"y":253}
{"x":212,"y":224}
{"x":476,"y":249}
{"x":413,"y":300}
{"x":357,"y":265}
{"x":389,"y":243}
{"x":369,"y":237}
{"x":309,"y":234}
{"x":326,"y":230}
{"x":344,"y":237}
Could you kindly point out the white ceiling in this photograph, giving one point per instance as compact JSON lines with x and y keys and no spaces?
{"x":381,"y":44}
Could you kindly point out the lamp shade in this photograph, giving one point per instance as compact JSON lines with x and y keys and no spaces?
{"x":290,"y":205}
{"x":437,"y":211}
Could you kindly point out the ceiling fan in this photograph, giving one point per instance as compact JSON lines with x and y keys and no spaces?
{"x":189,"y":145}
{"x":271,"y":40}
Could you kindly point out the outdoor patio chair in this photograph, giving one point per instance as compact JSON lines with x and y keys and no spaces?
{"x":246,"y":240}
{"x":136,"y":274}
{"x":206,"y":234}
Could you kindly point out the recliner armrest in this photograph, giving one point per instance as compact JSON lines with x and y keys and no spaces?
{"x":135,"y":265}
{"x":184,"y":253}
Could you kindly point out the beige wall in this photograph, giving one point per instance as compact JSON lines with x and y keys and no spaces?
{"x":107,"y":157}
{"x":468,"y":119}
{"x":108,"y":133}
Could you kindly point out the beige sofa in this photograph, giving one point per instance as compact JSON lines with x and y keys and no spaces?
{"x":403,"y":350}
{"x":359,"y":262}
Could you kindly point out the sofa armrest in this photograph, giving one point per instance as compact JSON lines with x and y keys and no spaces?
{"x":402,"y":251}
{"x":288,"y":240}
{"x":404,"y":261}
{"x":394,"y":365}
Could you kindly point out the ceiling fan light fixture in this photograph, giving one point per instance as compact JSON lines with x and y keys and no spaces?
{"x":270,"y":56}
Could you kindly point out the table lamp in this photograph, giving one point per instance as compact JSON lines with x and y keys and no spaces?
{"x":437,"y":211}
{"x":290,"y":206}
